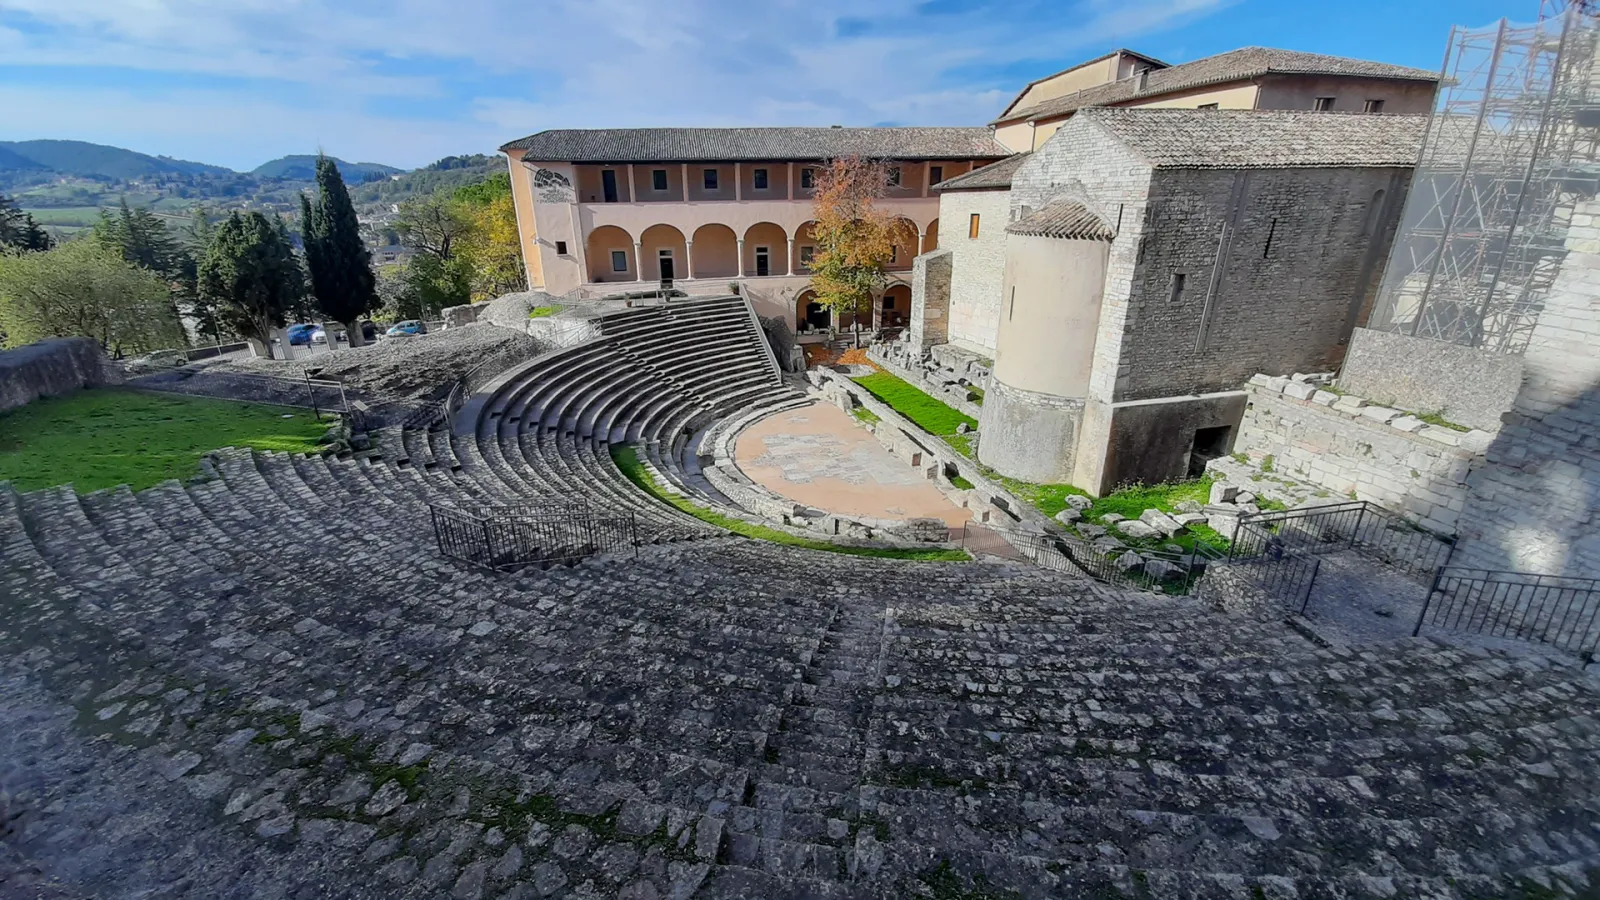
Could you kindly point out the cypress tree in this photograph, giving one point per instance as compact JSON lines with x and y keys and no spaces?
{"x":340,"y":266}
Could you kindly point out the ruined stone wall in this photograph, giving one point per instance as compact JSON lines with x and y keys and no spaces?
{"x":1354,"y":450}
{"x":930,"y":299}
{"x":978,"y":264}
{"x":1463,"y":384}
{"x":1277,"y":267}
{"x":48,"y":368}
{"x":1532,"y":508}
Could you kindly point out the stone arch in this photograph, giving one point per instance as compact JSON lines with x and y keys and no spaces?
{"x":602,"y":242}
{"x":663,"y":237}
{"x":802,"y":239}
{"x":930,"y":238}
{"x":905,"y":240}
{"x":772,"y":237}
{"x":808,"y":313}
{"x":894,"y":307}
{"x":715,"y":253}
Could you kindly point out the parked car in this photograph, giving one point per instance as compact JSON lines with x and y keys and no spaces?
{"x":408,"y":327}
{"x":301,"y":333}
{"x":318,"y":336}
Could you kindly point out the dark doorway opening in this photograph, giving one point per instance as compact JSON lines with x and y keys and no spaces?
{"x":817,"y":315}
{"x":608,"y":181}
{"x":1209,"y":443}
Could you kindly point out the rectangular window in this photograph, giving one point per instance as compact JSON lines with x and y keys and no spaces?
{"x":1271,"y":231}
{"x":972,"y":226}
{"x":806,"y":253}
{"x":1323,"y":104}
{"x":894,"y":254}
{"x":1374,"y":106}
{"x":561,"y":248}
{"x":894,"y":176}
{"x":619,"y":260}
{"x":711,"y":179}
{"x":1177,"y":286}
{"x":759,"y":179}
{"x":658,"y":179}
{"x":1206,"y":106}
{"x":935,"y":174}
{"x":808,"y":178}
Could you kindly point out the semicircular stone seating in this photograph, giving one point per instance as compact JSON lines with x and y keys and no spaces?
{"x":268,"y":682}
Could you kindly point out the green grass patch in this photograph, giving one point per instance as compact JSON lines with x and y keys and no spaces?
{"x":863,"y":414}
{"x":1132,"y":501}
{"x":961,"y":483}
{"x":539,"y":312}
{"x":1437,"y":418}
{"x":627,"y":459}
{"x":81,"y":216}
{"x":1266,"y":463}
{"x":962,"y":444}
{"x":103,"y":437}
{"x":929,"y":414}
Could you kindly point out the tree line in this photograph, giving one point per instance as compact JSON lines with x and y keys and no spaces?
{"x":464,"y":248}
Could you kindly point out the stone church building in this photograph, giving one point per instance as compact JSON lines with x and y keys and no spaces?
{"x":1129,"y":275}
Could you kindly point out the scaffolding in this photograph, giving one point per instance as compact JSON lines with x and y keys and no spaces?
{"x":1511,"y":148}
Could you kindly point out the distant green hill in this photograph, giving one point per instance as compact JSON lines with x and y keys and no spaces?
{"x":303,"y":167}
{"x":98,"y":161}
{"x":445,"y":174}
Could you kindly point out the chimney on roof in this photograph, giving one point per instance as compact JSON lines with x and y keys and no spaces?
{"x":1140,"y":78}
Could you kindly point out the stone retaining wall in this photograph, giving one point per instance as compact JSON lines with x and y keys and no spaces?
{"x":1354,"y":449}
{"x":937,"y":373}
{"x":48,"y":368}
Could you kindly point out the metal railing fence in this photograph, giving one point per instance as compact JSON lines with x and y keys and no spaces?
{"x":506,"y":541}
{"x":1357,"y":525}
{"x":1563,"y":613}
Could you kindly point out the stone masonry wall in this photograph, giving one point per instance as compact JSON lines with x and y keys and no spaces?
{"x":1301,"y":250}
{"x":930,"y":299}
{"x":1533,"y":507}
{"x":1352,"y":449}
{"x":47,"y":368}
{"x":978,"y":264}
{"x":1464,"y":384}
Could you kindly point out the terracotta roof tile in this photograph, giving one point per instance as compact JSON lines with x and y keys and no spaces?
{"x":728,"y":144}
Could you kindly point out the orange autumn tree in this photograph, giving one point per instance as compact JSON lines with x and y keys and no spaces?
{"x":854,"y":238}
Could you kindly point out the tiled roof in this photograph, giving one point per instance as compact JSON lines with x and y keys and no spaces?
{"x":728,"y":144}
{"x":1065,"y":219}
{"x":994,"y":176}
{"x":1236,"y":65}
{"x":1123,"y":51}
{"x":1244,"y":139}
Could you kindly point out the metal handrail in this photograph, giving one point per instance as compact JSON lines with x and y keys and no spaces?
{"x":563,"y":531}
{"x":1560,"y":611}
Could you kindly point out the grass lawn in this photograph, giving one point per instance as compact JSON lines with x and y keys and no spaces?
{"x":539,"y":312}
{"x":930,"y":415}
{"x":104,"y":437}
{"x":627,"y":459}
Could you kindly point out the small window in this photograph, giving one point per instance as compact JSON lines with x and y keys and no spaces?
{"x":935,"y":174}
{"x":894,"y":176}
{"x":561,"y":248}
{"x":619,"y":260}
{"x":972,"y":226}
{"x":894,"y":254}
{"x":808,"y":178}
{"x":658,"y":179}
{"x":1272,"y":230}
{"x":1011,"y":308}
{"x":759,"y":179}
{"x":806,"y":255}
{"x":1206,"y":106}
{"x":711,"y":179}
{"x":1177,"y":286}
{"x":1323,"y":104}
{"x":1374,"y":106}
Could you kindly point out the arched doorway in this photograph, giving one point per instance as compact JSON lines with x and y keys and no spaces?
{"x":904,"y":241}
{"x":715,"y":252}
{"x":930,"y":237}
{"x":809,"y":315}
{"x":894,"y":306}
{"x":804,"y":248}
{"x":665,"y":253}
{"x":610,"y":255}
{"x":766,"y":246}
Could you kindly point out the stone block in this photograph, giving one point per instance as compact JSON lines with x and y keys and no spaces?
{"x":1299,"y":390}
{"x":1325,"y":398}
{"x":1349,"y":404}
{"x":1447,"y":437}
{"x":1382,"y":414}
{"x":1190,"y":518}
{"x":1260,"y":379}
{"x":1188,"y":506}
{"x":1161,"y":522}
{"x":1476,"y":440}
{"x":1112,"y":518}
{"x":1068,"y":516}
{"x":1223,"y":493}
{"x":1245,"y":497}
{"x":1275,"y":385}
{"x":1130,"y":561}
{"x":1079,"y":502}
{"x":1161,"y":570}
{"x":1408,"y":423}
{"x":1136,"y":529}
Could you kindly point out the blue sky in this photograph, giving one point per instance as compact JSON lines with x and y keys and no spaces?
{"x":404,"y":82}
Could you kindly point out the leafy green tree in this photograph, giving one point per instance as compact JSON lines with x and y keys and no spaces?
{"x":252,"y":275}
{"x":143,"y":239}
{"x":425,"y":285}
{"x":86,"y":289}
{"x":339,"y":264}
{"x":433,"y":224}
{"x":492,"y":246}
{"x":18,"y":230}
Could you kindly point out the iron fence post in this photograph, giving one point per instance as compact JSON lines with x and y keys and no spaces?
{"x":1361,"y":517}
{"x":1316,"y":567}
{"x":1438,"y":574}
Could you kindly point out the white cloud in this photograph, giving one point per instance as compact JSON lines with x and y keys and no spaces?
{"x":401,"y":79}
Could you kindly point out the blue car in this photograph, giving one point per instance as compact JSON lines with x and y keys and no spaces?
{"x":409,"y":326}
{"x":300,"y":334}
